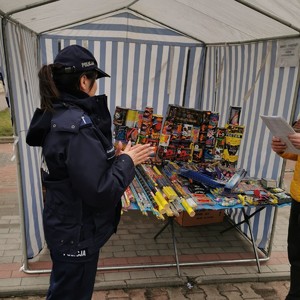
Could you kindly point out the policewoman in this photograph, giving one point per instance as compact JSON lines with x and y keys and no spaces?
{"x":84,"y":175}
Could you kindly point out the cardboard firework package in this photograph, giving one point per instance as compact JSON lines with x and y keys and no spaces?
{"x":137,"y":126}
{"x":233,"y":138}
{"x":234,"y":115}
{"x":210,"y":139}
{"x":120,"y":116}
{"x":197,"y":152}
{"x":146,"y":121}
{"x":191,"y":132}
{"x":126,"y":124}
{"x":157,"y":121}
{"x":220,"y":143}
{"x":177,"y":133}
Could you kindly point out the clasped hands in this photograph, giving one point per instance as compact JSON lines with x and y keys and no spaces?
{"x":139,"y":153}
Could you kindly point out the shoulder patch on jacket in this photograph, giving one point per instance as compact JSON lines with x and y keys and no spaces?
{"x":67,"y":120}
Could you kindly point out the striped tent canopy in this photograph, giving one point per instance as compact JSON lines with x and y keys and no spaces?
{"x":205,"y":54}
{"x":149,"y":65}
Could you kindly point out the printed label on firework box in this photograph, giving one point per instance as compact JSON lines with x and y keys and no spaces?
{"x":202,"y":217}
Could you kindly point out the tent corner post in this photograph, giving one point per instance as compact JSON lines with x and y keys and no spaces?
{"x":16,"y":143}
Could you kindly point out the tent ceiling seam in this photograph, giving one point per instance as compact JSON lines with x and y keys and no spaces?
{"x":120,"y":9}
{"x":82,"y":20}
{"x":132,"y":3}
{"x":13,"y":21}
{"x":293,"y":36}
{"x":28,"y":7}
{"x":167,"y":26}
{"x":219,"y":21}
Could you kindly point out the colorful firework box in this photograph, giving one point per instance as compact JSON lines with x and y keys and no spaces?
{"x":186,"y":135}
{"x":137,"y":126}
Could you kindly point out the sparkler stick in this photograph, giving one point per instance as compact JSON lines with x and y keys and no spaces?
{"x":167,"y":172}
{"x":184,"y":202}
{"x":159,"y":198}
{"x":184,"y":197}
{"x":163,"y":184}
{"x":156,"y":208}
{"x":137,"y":197}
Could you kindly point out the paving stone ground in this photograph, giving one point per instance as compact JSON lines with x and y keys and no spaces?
{"x":134,"y":245}
{"x":227,"y":291}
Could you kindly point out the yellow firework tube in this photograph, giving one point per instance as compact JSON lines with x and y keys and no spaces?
{"x":161,"y":209}
{"x":242,"y":199}
{"x":188,"y":209}
{"x":170,"y":193}
{"x":162,"y":200}
{"x":156,"y":170}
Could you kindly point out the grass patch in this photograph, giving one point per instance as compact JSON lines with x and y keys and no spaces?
{"x":5,"y":123}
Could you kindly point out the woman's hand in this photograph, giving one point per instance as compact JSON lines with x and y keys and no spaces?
{"x":277,"y":145}
{"x":139,"y":153}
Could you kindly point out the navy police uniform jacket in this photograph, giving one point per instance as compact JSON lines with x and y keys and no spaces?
{"x":84,"y":180}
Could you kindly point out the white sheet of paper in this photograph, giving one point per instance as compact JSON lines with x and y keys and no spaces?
{"x":281,"y":129}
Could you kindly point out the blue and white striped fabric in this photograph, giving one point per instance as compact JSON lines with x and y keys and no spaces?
{"x":147,"y":63}
{"x":22,"y":56}
{"x":261,"y":224}
{"x":246,"y":76}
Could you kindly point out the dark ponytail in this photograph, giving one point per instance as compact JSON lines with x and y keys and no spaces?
{"x":48,"y":89}
{"x":54,"y":81}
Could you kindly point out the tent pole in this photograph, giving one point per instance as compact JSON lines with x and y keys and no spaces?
{"x":275,"y":18}
{"x":203,"y":58}
{"x":297,"y":91}
{"x":186,"y":76}
{"x":270,"y":246}
{"x":216,"y":67}
{"x":16,"y":144}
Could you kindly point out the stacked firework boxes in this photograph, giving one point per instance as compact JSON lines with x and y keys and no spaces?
{"x":188,"y":136}
{"x":138,"y":126}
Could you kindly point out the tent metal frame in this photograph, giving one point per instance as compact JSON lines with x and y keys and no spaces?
{"x":178,"y":264}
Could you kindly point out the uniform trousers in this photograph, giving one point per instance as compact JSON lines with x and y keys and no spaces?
{"x":72,"y":278}
{"x":294,"y":251}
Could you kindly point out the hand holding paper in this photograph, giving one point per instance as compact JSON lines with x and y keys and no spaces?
{"x":281,"y":129}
